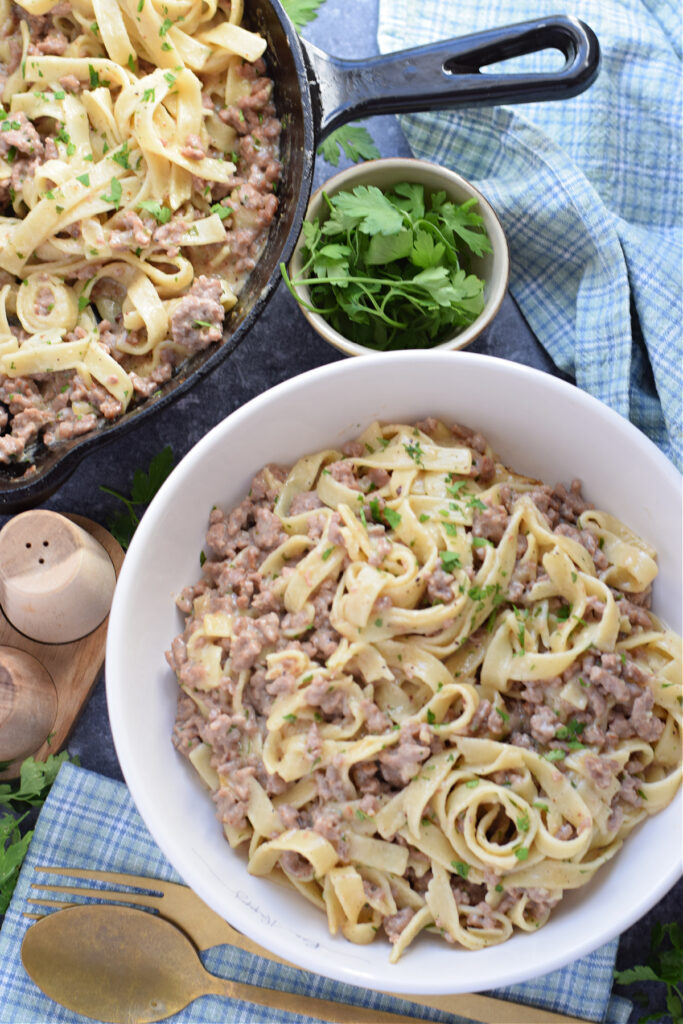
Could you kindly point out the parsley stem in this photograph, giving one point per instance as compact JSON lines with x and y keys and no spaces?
{"x":126,"y":501}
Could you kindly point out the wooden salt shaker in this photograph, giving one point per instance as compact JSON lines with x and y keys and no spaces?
{"x":56,"y":587}
{"x":56,"y":581}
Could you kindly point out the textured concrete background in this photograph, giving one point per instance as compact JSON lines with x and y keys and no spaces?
{"x":280,"y":346}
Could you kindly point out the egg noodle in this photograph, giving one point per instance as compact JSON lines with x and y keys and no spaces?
{"x":471,"y":721}
{"x":132,"y":105}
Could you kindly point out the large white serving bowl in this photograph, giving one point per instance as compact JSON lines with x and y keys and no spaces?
{"x":539,"y":425}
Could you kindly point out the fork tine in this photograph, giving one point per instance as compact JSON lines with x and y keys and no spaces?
{"x":109,"y":895}
{"x":56,"y":904}
{"x":155,"y":884}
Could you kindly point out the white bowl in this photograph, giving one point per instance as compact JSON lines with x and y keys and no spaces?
{"x":493,"y":268}
{"x":539,"y":425}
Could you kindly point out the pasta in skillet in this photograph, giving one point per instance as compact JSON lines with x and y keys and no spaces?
{"x":425,"y":690}
{"x":138,"y":163}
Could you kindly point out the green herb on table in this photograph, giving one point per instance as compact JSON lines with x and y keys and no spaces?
{"x":390,"y":270}
{"x":145,"y":485}
{"x":354,"y":139}
{"x":31,"y":789}
{"x":300,"y":12}
{"x":664,"y":965}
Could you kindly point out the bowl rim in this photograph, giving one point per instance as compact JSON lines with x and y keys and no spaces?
{"x":354,"y":176}
{"x":147,"y":800}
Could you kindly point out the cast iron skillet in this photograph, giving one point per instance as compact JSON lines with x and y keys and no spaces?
{"x":315,"y":93}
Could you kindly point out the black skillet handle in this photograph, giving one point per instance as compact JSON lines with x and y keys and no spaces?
{"x":448,"y":74}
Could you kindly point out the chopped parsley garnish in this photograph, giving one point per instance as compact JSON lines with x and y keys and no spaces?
{"x":461,"y":867}
{"x":222,"y":211}
{"x":161,"y":214}
{"x":414,"y":450}
{"x":571,"y":730}
{"x":115,"y":194}
{"x":121,"y":157}
{"x":450,"y":560}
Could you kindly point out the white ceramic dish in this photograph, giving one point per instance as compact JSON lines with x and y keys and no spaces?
{"x":493,"y":268}
{"x":539,"y":425}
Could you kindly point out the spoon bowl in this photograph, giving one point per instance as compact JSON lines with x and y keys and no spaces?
{"x":114,"y":963}
{"x":126,"y":966}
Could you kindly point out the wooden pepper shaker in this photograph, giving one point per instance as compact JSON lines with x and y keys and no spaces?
{"x":56,"y":581}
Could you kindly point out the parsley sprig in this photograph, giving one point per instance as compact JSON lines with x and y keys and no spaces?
{"x":390,"y":270}
{"x":300,"y":12}
{"x":354,"y":139}
{"x":30,"y":790}
{"x":145,"y":485}
{"x":665,"y":965}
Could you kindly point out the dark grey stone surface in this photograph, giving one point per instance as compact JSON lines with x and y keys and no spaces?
{"x":280,"y":346}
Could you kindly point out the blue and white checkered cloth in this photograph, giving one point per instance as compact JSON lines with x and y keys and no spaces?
{"x":91,"y":822}
{"x":588,"y":191}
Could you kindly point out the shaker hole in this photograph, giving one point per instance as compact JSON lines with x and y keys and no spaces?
{"x":41,"y":561}
{"x":46,"y":543}
{"x":28,"y":543}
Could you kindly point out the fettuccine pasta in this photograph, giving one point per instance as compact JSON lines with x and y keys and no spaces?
{"x":426,"y":691}
{"x":138,"y":168}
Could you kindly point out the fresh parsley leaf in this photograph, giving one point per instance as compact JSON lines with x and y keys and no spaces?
{"x":30,"y":789}
{"x":467,"y":224}
{"x":34,"y":781}
{"x":13,"y":847}
{"x":664,"y":965}
{"x":123,"y":524}
{"x":368,"y":209}
{"x":354,"y":139}
{"x":387,"y":248}
{"x":300,"y":12}
{"x":425,"y":251}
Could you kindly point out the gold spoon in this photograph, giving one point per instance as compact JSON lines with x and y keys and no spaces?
{"x":126,"y":966}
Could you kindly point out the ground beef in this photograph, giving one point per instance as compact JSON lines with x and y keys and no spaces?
{"x":400,"y":763}
{"x":395,"y":923}
{"x":198,"y":318}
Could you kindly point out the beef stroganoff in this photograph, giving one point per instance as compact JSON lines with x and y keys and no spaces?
{"x":138,"y":168}
{"x":426,"y":691}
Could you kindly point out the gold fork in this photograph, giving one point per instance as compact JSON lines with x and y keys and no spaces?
{"x":182,"y":906}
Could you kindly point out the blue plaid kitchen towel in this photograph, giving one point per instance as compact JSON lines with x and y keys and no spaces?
{"x":89,"y":821}
{"x":588,"y":191}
